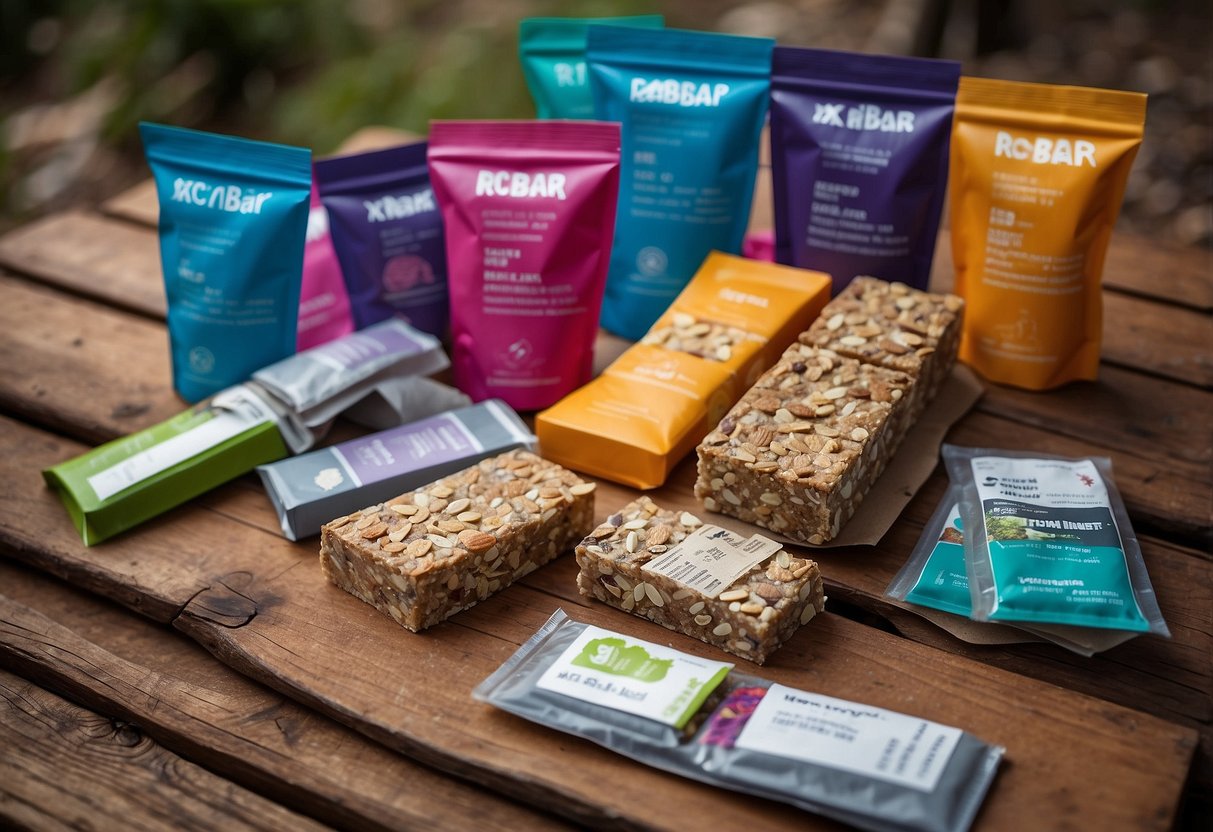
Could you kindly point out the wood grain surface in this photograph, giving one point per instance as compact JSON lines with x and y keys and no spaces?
{"x":127,"y":668}
{"x":266,"y":610}
{"x":1104,"y":742}
{"x":65,"y":767}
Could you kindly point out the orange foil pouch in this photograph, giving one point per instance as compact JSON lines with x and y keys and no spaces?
{"x":650,"y":407}
{"x":1037,"y":177}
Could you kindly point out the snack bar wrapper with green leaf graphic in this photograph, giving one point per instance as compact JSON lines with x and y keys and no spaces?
{"x":702,"y":719}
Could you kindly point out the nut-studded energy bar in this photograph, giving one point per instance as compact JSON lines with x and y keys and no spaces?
{"x":799,"y":451}
{"x":430,"y":553}
{"x":894,"y":326}
{"x":644,"y":560}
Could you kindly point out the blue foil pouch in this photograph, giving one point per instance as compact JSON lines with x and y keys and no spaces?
{"x":859,"y":161}
{"x":387,"y":232}
{"x":692,"y":107}
{"x":552,"y":51}
{"x":233,"y":216}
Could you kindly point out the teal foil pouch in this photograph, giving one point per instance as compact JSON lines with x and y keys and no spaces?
{"x":233,"y":218}
{"x":692,"y":106}
{"x":1049,"y":542}
{"x":552,"y":51}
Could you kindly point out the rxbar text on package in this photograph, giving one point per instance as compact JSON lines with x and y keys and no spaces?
{"x":1038,"y":174}
{"x":859,"y":161}
{"x":529,"y":210}
{"x":233,"y":220}
{"x":692,"y":106}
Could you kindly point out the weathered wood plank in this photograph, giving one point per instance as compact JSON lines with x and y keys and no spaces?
{"x":1156,"y":420}
{"x":1169,"y":341}
{"x":81,"y":368}
{"x":835,"y":656}
{"x":268,"y":612}
{"x":103,"y":658}
{"x":93,"y":256}
{"x":67,"y":768}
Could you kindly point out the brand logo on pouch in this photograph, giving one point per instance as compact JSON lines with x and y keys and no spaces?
{"x":230,"y":198}
{"x":673,"y":91}
{"x":399,"y":207}
{"x":1044,"y":151}
{"x":651,"y":261}
{"x":864,"y":117}
{"x":520,"y":185}
{"x":518,"y":354}
{"x":202,"y":360}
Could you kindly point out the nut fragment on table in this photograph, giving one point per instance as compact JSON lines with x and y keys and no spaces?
{"x":425,"y":555}
{"x":751,"y":618}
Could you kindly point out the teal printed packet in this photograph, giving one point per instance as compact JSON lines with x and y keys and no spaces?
{"x":935,"y":577}
{"x":233,"y":218}
{"x":1048,"y":541}
{"x":692,"y":107}
{"x":552,"y":51}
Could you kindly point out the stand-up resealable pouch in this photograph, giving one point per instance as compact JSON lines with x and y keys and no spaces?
{"x":233,"y":219}
{"x":692,"y":107}
{"x":859,"y":161}
{"x":1038,"y":175}
{"x":529,"y":208}
{"x":552,"y":51}
{"x":387,"y":233}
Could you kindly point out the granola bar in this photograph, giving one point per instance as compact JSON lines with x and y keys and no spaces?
{"x":750,"y":618}
{"x":799,"y":451}
{"x":427,"y":554}
{"x":706,"y":339}
{"x":893,"y":326}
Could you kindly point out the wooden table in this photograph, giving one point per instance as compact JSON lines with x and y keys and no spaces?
{"x":199,"y":672}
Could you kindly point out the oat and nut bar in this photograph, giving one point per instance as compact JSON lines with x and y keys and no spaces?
{"x":750,"y":618}
{"x":432,"y":552}
{"x":894,"y":326}
{"x":799,"y":451}
{"x":697,"y":336}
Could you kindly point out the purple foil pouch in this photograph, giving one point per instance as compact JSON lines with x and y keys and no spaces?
{"x":859,"y":161}
{"x":387,"y":233}
{"x":324,"y":305}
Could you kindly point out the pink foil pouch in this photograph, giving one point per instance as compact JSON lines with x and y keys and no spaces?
{"x":324,"y":305}
{"x":529,"y":210}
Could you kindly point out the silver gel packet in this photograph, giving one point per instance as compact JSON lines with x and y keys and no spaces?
{"x":702,"y":720}
{"x":320,"y":383}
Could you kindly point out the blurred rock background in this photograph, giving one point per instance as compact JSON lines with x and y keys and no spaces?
{"x":77,"y":75}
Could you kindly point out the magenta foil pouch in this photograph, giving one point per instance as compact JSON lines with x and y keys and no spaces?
{"x":324,"y":305}
{"x":859,"y":161}
{"x":529,"y":209}
{"x":387,"y":233}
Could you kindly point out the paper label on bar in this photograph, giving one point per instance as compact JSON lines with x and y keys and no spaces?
{"x":835,"y":733}
{"x":235,"y":410}
{"x":634,"y":676}
{"x":711,"y":559}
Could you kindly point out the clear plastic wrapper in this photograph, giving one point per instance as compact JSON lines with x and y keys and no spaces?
{"x":744,"y":733}
{"x":935,"y":577}
{"x":1049,"y":542}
